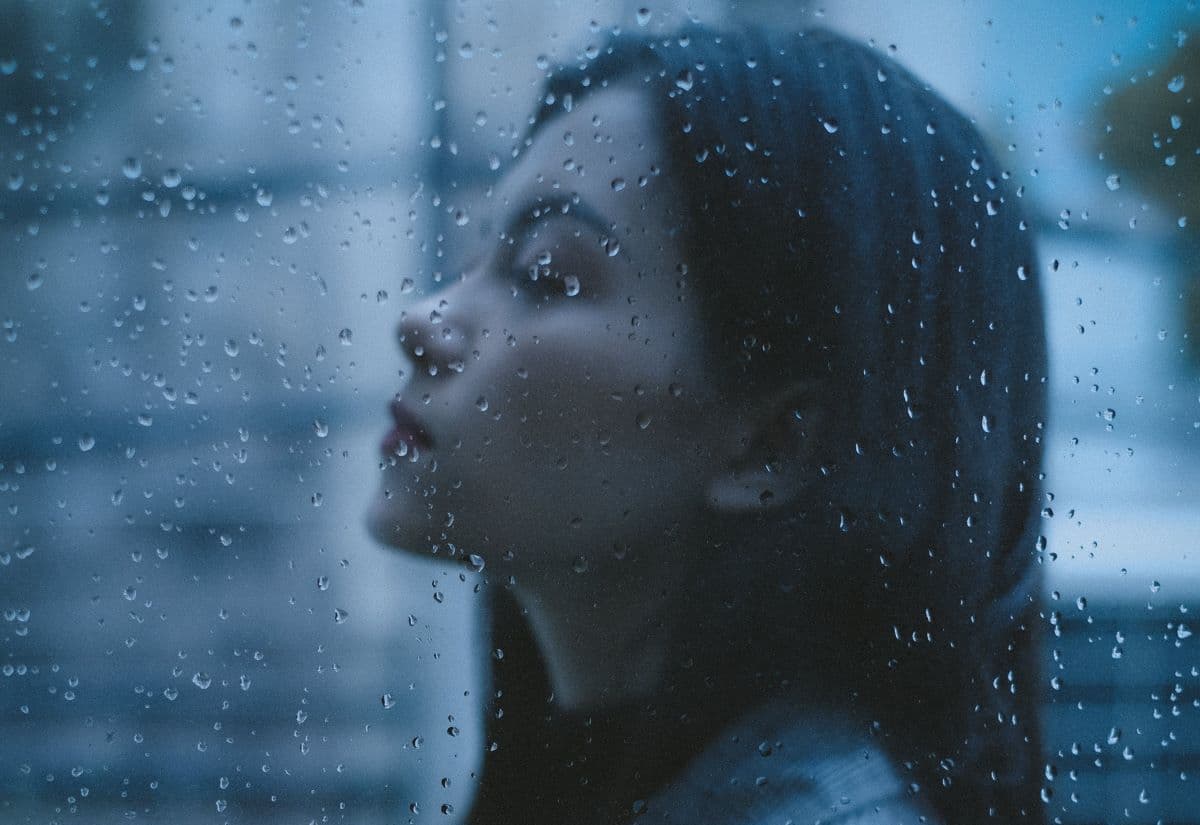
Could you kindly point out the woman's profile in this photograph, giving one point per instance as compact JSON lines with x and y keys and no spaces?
{"x":738,"y":405}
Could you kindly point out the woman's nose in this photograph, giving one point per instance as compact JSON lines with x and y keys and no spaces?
{"x":433,"y":334}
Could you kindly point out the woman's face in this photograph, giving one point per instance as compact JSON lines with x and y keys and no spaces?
{"x":559,"y":403}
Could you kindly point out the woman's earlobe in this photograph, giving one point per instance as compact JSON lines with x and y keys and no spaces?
{"x":771,"y":466}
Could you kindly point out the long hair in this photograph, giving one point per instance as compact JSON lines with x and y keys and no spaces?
{"x":847,"y":226}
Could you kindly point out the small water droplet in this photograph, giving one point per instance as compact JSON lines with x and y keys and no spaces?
{"x":131,"y":168}
{"x":830,"y":124}
{"x":643,"y":16}
{"x":201,"y":680}
{"x":322,"y":582}
{"x":685,"y":80}
{"x":320,"y":428}
{"x":1176,"y":83}
{"x":388,"y":701}
{"x":570,"y":285}
{"x":1113,"y":182}
{"x":346,"y":336}
{"x":86,"y":442}
{"x":340,"y":615}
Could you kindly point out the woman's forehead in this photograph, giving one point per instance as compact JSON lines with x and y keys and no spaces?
{"x":596,"y":151}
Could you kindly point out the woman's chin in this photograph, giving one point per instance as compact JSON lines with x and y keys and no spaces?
{"x":394,"y":522}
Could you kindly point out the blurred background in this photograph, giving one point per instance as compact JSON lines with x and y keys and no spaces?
{"x":211,"y":216}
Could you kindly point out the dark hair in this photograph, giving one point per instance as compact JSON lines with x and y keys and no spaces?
{"x":844,"y":224}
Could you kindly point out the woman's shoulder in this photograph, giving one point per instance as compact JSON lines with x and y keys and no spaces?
{"x":781,"y":763}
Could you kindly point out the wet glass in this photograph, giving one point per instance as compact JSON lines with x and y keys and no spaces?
{"x":219,"y":220}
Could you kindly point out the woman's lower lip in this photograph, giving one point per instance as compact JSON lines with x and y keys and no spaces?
{"x":395,"y":438}
{"x":407,"y":431}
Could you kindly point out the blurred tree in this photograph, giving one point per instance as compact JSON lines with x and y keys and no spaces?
{"x":1153,"y":140}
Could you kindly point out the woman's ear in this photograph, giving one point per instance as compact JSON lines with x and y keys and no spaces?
{"x":771,"y":462}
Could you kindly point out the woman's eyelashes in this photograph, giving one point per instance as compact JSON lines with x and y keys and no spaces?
{"x":545,"y":281}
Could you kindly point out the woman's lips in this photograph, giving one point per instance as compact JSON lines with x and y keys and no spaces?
{"x":408,"y":430}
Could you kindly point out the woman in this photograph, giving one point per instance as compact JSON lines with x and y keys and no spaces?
{"x":740,"y":403}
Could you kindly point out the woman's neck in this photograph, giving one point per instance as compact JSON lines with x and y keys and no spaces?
{"x":606,"y":635}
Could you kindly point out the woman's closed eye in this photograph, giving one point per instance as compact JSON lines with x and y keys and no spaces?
{"x":546,"y":282}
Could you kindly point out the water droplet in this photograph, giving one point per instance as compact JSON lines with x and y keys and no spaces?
{"x":482,"y":403}
{"x":86,"y":442}
{"x":618,"y":184}
{"x":461,"y":218}
{"x":137,"y":62}
{"x":612,"y":246}
{"x":33,"y":281}
{"x":1109,"y":414}
{"x":201,"y":680}
{"x":131,"y":168}
{"x":1176,"y":83}
{"x":1176,"y":121}
{"x":264,"y":197}
{"x":322,"y":582}
{"x":476,"y":562}
{"x":986,"y":423}
{"x":8,"y":65}
{"x":580,"y":564}
{"x":290,"y":235}
{"x":231,"y":347}
{"x":570,"y":285}
{"x":830,"y":124}
{"x":340,"y":615}
{"x":1113,"y":182}
{"x":388,"y":701}
{"x":320,"y":428}
{"x":171,"y":178}
{"x":346,"y":336}
{"x":685,"y":80}
{"x":15,"y":181}
{"x":1183,"y":632}
{"x":643,"y":16}
{"x":643,"y":420}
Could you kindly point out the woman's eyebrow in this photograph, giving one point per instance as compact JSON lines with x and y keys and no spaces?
{"x":558,"y":206}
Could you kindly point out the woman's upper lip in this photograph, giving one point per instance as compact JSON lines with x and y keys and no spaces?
{"x":408,"y":426}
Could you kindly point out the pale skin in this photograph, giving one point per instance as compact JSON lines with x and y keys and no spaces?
{"x":606,"y":457}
